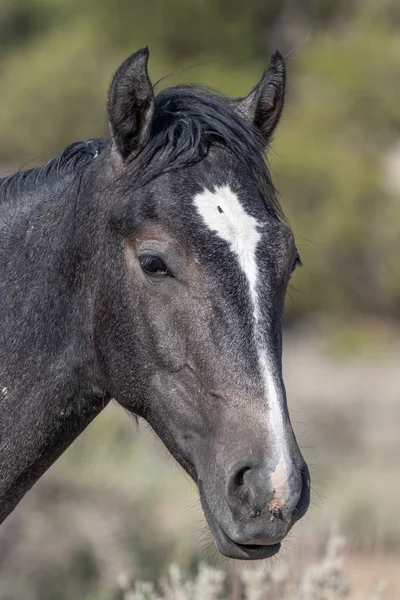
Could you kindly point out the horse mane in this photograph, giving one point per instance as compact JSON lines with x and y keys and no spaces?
{"x":188,"y":120}
{"x":72,"y":160}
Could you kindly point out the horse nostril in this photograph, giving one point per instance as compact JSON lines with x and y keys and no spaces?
{"x":238,"y":488}
{"x":239,"y":491}
{"x":304,"y":499}
{"x":252,"y":491}
{"x":248,"y":491}
{"x":238,"y":480}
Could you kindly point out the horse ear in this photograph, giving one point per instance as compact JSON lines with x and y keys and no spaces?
{"x":130,"y":104}
{"x":263,"y":106}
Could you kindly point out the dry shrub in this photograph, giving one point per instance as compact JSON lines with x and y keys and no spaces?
{"x":324,"y":580}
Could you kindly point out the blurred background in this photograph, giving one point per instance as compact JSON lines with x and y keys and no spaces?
{"x":115,"y":503}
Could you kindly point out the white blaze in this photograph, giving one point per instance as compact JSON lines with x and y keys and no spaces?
{"x":223,"y":214}
{"x":235,"y":226}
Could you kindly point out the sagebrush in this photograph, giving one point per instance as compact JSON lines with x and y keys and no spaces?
{"x":324,"y":580}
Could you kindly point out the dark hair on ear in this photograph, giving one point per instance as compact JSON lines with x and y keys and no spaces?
{"x":130,"y":104}
{"x":263,"y":106}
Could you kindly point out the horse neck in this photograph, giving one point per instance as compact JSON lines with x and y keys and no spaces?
{"x":50,"y":388}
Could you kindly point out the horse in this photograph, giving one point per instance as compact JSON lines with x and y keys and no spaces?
{"x":151,"y":268}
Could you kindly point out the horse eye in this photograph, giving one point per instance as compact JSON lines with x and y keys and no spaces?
{"x":153,"y":265}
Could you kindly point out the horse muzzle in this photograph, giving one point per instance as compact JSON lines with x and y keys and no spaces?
{"x":257,"y":511}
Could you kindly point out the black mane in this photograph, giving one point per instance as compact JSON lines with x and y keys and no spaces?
{"x":188,"y":120}
{"x":74,"y":158}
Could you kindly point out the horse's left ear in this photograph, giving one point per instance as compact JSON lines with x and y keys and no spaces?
{"x":131,"y":104}
{"x":263,"y":106}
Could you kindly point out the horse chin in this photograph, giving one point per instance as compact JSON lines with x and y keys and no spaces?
{"x":226,"y":546}
{"x":231,"y":549}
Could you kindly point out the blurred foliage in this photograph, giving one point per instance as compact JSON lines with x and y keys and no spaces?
{"x":342,"y":120}
{"x":331,"y":153}
{"x":326,"y":579}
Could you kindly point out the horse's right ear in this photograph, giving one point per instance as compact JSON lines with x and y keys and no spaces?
{"x":131,"y":105}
